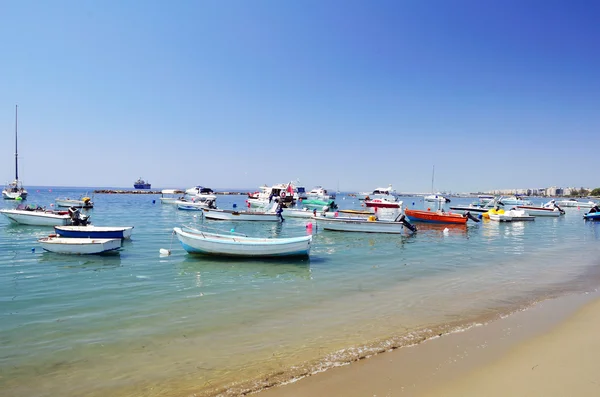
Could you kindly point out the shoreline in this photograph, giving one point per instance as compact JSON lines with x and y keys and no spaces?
{"x":496,"y":358}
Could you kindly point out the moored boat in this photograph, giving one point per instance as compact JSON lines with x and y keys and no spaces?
{"x":170,"y":196}
{"x":383,"y":203}
{"x":513,"y":215}
{"x":232,"y":215}
{"x":84,"y":202}
{"x":593,"y":214}
{"x":79,"y":246}
{"x":570,"y":203}
{"x":369,"y":225}
{"x":39,"y":216}
{"x":90,"y":231}
{"x":197,"y":241}
{"x":438,"y":216}
{"x":15,"y":190}
{"x":541,"y":211}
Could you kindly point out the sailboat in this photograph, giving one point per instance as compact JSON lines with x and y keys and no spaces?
{"x":15,"y":190}
{"x":435,"y":197}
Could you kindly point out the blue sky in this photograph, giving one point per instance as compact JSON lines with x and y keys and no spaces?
{"x":240,"y":93}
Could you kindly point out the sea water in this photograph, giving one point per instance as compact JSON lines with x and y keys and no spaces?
{"x":137,"y":323}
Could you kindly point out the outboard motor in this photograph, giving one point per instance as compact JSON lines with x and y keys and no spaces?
{"x":402,"y":219}
{"x":77,"y":218}
{"x":471,"y":217}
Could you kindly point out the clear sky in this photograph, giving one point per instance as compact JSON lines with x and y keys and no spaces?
{"x":236,"y":94}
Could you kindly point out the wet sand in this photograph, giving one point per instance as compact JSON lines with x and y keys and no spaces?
{"x":551,"y":349}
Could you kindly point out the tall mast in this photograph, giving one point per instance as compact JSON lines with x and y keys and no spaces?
{"x":16,"y":150}
{"x":432,"y":175}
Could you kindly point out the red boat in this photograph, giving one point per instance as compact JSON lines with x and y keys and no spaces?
{"x":383,"y":203}
{"x":438,"y":217}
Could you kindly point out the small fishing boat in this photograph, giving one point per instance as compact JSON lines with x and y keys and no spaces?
{"x":541,"y":211}
{"x":195,"y":205}
{"x":84,"y":202}
{"x":39,"y":216}
{"x":232,"y":215}
{"x":383,"y":203}
{"x":593,"y":214}
{"x":438,"y":216}
{"x":319,"y":204}
{"x":369,"y":225}
{"x":79,"y":246}
{"x":201,"y":242}
{"x":141,"y":184}
{"x":15,"y":190}
{"x":90,"y":231}
{"x":170,"y":196}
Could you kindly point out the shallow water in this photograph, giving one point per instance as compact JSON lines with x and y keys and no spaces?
{"x":136,"y":323}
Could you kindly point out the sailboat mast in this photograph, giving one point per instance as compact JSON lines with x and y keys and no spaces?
{"x":16,"y":147}
{"x":432,"y":176}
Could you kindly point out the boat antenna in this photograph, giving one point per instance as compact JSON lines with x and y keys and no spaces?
{"x":16,"y":150}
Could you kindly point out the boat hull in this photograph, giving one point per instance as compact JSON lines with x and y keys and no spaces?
{"x":538,"y":211}
{"x":79,"y":246}
{"x":73,"y":203}
{"x":435,"y":217}
{"x":101,"y":232}
{"x":595,"y":216}
{"x":226,"y":215}
{"x":36,"y":218}
{"x":142,"y":186}
{"x":8,"y":195}
{"x":243,"y":247}
{"x":382,"y":204}
{"x":359,"y":225}
{"x":573,"y":204}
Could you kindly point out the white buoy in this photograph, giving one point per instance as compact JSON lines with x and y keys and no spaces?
{"x":165,"y":252}
{"x":446,"y":231}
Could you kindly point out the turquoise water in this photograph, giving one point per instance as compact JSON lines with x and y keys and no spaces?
{"x":139,"y":324}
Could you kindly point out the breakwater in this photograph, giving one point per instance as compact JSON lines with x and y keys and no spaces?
{"x":110,"y":191}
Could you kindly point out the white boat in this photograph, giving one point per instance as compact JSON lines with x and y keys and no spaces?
{"x":79,"y":246}
{"x":196,"y":204}
{"x":267,"y":194}
{"x":14,"y":190}
{"x":574,"y":203}
{"x":514,"y":200}
{"x":549,"y":210}
{"x":197,"y":241}
{"x":232,"y":215}
{"x":437,"y":198}
{"x":318,"y":193}
{"x":37,"y":216}
{"x":170,"y":196}
{"x":200,"y":191}
{"x":379,"y":193}
{"x":370,"y":225}
{"x":84,"y":202}
{"x":307,"y":213}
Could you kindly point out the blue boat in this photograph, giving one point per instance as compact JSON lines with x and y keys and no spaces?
{"x":593,"y":215}
{"x":141,"y":184}
{"x":91,"y":231}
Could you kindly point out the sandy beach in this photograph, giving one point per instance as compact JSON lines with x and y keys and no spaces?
{"x":550,"y":349}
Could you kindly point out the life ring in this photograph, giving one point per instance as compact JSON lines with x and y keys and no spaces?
{"x":283,"y":194}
